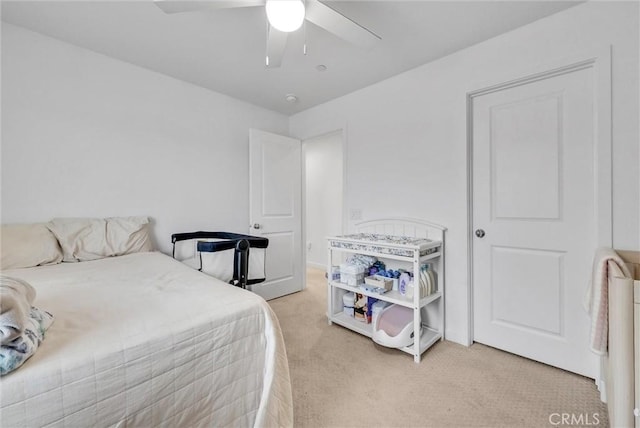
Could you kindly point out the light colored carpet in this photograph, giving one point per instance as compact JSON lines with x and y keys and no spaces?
{"x":340,"y":378}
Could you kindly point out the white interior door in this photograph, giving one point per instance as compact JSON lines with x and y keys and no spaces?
{"x":533,"y":199}
{"x":275,"y":204}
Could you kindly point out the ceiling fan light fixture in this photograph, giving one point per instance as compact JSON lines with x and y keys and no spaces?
{"x":285,"y":15}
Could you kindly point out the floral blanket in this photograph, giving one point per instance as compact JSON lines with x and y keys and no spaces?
{"x":20,"y":349}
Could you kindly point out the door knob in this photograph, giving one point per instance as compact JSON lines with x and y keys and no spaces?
{"x":480,"y":233}
{"x":256,"y":226}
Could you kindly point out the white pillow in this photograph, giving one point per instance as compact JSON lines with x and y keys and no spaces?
{"x":84,"y":239}
{"x":28,"y":245}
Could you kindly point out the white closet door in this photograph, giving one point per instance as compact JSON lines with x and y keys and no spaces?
{"x":533,"y":198}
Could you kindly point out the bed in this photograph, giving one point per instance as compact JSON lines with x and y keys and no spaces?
{"x":143,"y":340}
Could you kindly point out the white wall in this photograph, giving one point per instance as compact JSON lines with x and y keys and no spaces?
{"x":414,"y":127}
{"x":323,"y":194}
{"x":87,"y":135}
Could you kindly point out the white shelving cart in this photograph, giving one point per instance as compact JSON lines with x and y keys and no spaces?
{"x":399,"y":243}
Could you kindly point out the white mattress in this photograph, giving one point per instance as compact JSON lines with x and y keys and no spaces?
{"x":143,"y":340}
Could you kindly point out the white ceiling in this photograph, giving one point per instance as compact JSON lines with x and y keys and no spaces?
{"x":224,"y":50}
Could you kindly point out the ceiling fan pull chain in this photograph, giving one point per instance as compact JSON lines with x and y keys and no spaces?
{"x":266,"y":45}
{"x":304,"y":30}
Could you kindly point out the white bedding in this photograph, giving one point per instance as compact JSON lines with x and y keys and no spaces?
{"x":143,"y":340}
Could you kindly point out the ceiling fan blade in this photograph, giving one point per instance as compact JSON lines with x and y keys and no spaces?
{"x":179,"y":6}
{"x":276,"y":43}
{"x":336,"y":23}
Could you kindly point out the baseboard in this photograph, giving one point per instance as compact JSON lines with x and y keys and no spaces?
{"x":316,"y":265}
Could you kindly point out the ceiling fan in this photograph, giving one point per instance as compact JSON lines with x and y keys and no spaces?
{"x":284,"y":16}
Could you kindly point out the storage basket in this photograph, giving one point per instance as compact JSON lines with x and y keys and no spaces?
{"x":351,"y":274}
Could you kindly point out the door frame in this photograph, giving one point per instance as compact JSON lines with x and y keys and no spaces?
{"x":598,"y":59}
{"x":342,"y":133}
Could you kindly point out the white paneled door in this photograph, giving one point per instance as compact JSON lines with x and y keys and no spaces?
{"x":275,"y":199}
{"x":534,"y":219}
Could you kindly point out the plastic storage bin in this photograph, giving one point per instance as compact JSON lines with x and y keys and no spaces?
{"x":376,"y":308}
{"x":334,"y":275}
{"x":379,"y":282}
{"x":348,"y":301}
{"x":351,"y":274}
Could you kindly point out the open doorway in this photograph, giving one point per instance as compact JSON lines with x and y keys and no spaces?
{"x":323,"y":166}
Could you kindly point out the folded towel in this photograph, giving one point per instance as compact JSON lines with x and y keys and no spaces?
{"x":361,"y":260}
{"x":596,"y":300}
{"x":19,"y":350}
{"x":16,"y":297}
